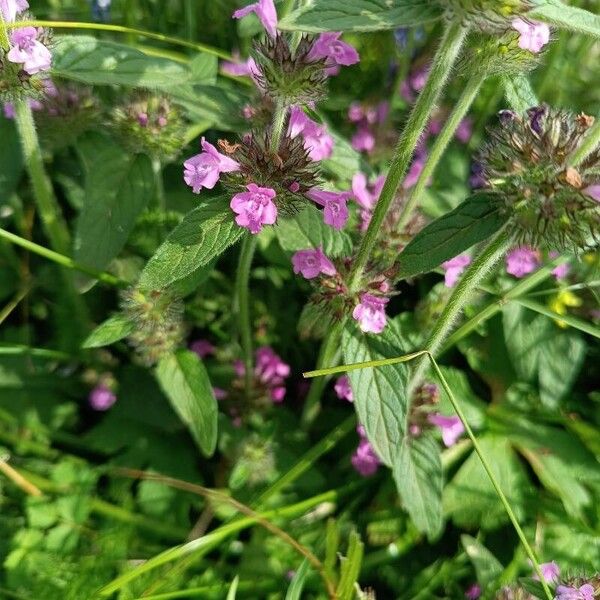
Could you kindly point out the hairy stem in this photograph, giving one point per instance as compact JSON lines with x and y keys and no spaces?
{"x":279,"y":118}
{"x":441,"y":69}
{"x":243,"y":306}
{"x":441,"y":143}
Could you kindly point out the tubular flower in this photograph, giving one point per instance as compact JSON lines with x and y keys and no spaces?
{"x":204,"y":169}
{"x":265,"y":11}
{"x":254,"y":208}
{"x":311,"y":263}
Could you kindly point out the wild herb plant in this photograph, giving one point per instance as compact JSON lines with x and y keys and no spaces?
{"x":201,"y":201}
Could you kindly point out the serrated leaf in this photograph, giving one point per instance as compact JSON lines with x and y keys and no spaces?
{"x":418,"y":476}
{"x":185,"y":382}
{"x":568,"y":17}
{"x":112,"y":330}
{"x":205,"y":233}
{"x":360,"y":15}
{"x":101,"y":62}
{"x":380,"y":396}
{"x":471,"y":222}
{"x":118,"y":186}
{"x":519,"y":93}
{"x":307,"y":230}
{"x":487,"y":566}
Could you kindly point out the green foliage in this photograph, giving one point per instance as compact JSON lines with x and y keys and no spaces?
{"x":568,"y":17}
{"x":112,"y":330}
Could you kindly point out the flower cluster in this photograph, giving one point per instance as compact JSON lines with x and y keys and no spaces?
{"x":527,"y":166}
{"x":366,"y":119}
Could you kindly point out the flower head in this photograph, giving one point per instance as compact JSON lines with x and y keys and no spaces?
{"x":343,"y":390}
{"x":522,"y":261}
{"x":265,"y":11}
{"x":451,"y":427}
{"x":370,"y":313}
{"x":534,"y":36}
{"x":364,"y":459}
{"x":101,"y":398}
{"x":454,"y":268}
{"x":330,"y":47}
{"x":335,"y":211}
{"x":27,"y":50}
{"x":254,"y":208}
{"x":271,"y":371}
{"x":311,"y":263}
{"x":317,"y":141}
{"x":203,"y":170}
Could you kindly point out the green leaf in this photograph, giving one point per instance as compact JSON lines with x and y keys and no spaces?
{"x":487,"y":566}
{"x":350,"y":568}
{"x":112,"y":330}
{"x":11,"y":159}
{"x":380,"y":396}
{"x":101,"y":62}
{"x":473,"y":221}
{"x":185,"y":382}
{"x":307,"y":230}
{"x":232,"y":593}
{"x":205,"y":233}
{"x":294,"y":592}
{"x":568,"y":17}
{"x":118,"y":187}
{"x":344,"y":160}
{"x":519,"y":93}
{"x":534,"y":587}
{"x":418,"y":476}
{"x":360,"y":15}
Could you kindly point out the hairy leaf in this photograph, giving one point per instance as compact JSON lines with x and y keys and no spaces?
{"x":112,"y":330}
{"x":519,"y":93}
{"x":568,"y":17}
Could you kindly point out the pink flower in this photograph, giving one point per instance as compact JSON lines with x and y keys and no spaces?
{"x":204,"y":169}
{"x":364,"y":459}
{"x":451,"y":427}
{"x":521,"y":261}
{"x":562,"y":270}
{"x":202,"y":348}
{"x":265,"y":11}
{"x":464,"y":130}
{"x":254,"y":208}
{"x":454,"y":268}
{"x":271,"y":371}
{"x":473,"y":592}
{"x":593,"y":191}
{"x":416,"y":168}
{"x":343,"y":390}
{"x":363,"y":140}
{"x":366,"y":195}
{"x":101,"y":398}
{"x":329,"y":46}
{"x":10,"y":8}
{"x":335,"y":211}
{"x":28,"y":51}
{"x":220,"y":393}
{"x":240,"y":69}
{"x":355,"y":112}
{"x":585,"y":592}
{"x":370,"y":313}
{"x":311,"y":263}
{"x":550,"y":572}
{"x":534,"y":36}
{"x":317,"y":141}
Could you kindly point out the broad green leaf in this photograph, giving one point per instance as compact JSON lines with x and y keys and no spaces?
{"x":185,"y":382}
{"x":205,"y":233}
{"x":118,"y":186}
{"x":487,"y":566}
{"x":101,"y":62}
{"x":350,"y":568}
{"x":519,"y":93}
{"x":568,"y":17}
{"x":360,"y":15}
{"x":473,"y":221}
{"x":574,"y":546}
{"x":294,"y":591}
{"x":112,"y":330}
{"x":418,"y":476}
{"x":380,"y":396}
{"x":11,"y":159}
{"x":344,"y":160}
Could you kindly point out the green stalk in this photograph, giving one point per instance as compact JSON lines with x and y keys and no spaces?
{"x":469,"y":282}
{"x":62,"y":260}
{"x":47,"y":204}
{"x":243,"y":307}
{"x":441,"y":143}
{"x":452,"y":40}
{"x":279,"y":118}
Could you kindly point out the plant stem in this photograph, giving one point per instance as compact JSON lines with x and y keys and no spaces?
{"x":441,"y":68}
{"x":441,"y":143}
{"x":590,"y":142}
{"x":472,"y":277}
{"x":48,"y":207}
{"x":243,"y":306}
{"x":279,"y":118}
{"x":62,"y":260}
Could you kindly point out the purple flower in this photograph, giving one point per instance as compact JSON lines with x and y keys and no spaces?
{"x":311,"y":263}
{"x":356,"y":112}
{"x":204,"y":169}
{"x":254,"y":208}
{"x":593,"y":191}
{"x":536,"y":114}
{"x":335,"y":211}
{"x":28,"y":51}
{"x":550,"y":572}
{"x":220,"y":393}
{"x":473,"y":592}
{"x":342,"y":389}
{"x":364,"y":459}
{"x":363,"y":140}
{"x":336,"y":52}
{"x":10,"y":8}
{"x":585,"y":592}
{"x":265,"y":11}
{"x":521,"y":261}
{"x":317,"y":141}
{"x":202,"y":348}
{"x":366,"y":195}
{"x":101,"y":398}
{"x":370,"y":313}
{"x":464,"y":130}
{"x":271,"y":371}
{"x":534,"y":36}
{"x":454,"y":268}
{"x":416,"y":168}
{"x":240,"y":69}
{"x":451,"y":427}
